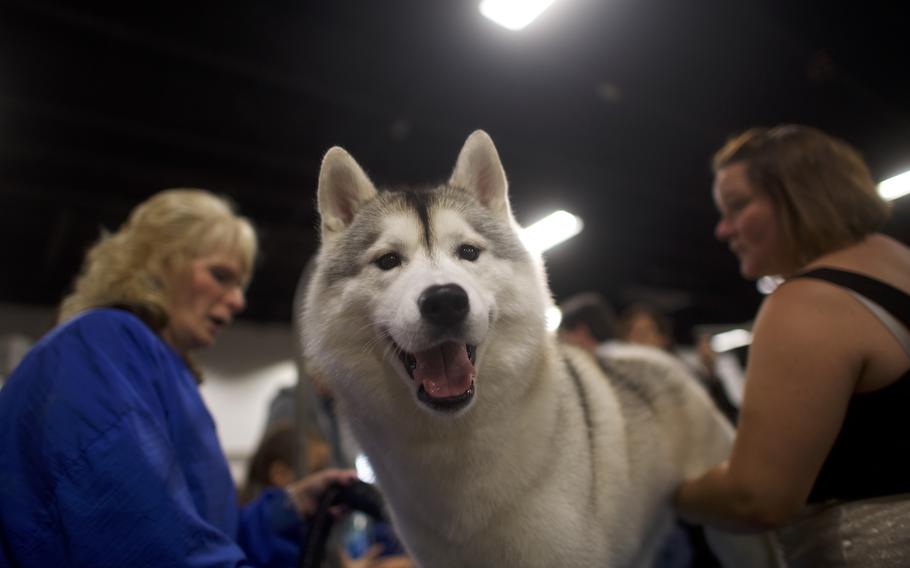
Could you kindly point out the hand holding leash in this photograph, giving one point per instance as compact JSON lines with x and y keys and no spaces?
{"x":307,"y":493}
{"x":350,"y":494}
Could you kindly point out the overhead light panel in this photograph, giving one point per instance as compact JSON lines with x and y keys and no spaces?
{"x":364,"y":469}
{"x":551,"y":230}
{"x":554,"y":318}
{"x":895,"y":187}
{"x":513,"y":14}
{"x":731,"y":339}
{"x":768,"y":284}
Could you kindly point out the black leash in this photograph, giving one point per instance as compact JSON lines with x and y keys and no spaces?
{"x":356,"y":496}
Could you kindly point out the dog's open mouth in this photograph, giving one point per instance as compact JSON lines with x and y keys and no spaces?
{"x":445,"y":374}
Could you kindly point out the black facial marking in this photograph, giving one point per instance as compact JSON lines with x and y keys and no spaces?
{"x":419,"y":201}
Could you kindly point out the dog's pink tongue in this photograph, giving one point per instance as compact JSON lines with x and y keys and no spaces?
{"x":444,"y":370}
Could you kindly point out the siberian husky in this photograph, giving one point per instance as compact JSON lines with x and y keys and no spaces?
{"x":493,"y":444}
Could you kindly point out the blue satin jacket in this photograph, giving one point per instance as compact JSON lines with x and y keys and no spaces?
{"x":109,"y":457}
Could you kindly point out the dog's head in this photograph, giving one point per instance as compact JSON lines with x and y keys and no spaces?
{"x":423,"y":294}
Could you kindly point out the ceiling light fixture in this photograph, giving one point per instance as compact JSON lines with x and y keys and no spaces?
{"x":731,"y":339}
{"x":768,"y":284}
{"x":554,"y":318}
{"x":897,"y":186}
{"x":513,"y":14}
{"x":551,"y":230}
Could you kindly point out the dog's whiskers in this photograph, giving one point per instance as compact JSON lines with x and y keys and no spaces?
{"x":377,"y":339}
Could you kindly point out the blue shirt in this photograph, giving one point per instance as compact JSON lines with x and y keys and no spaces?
{"x":109,"y":457}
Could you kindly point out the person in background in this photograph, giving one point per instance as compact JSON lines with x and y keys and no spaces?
{"x":272,"y":464}
{"x":588,"y":321}
{"x":108,"y":455}
{"x":643,"y":324}
{"x":821,"y":444}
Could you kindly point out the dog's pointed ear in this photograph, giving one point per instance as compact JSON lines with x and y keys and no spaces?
{"x":343,"y":188}
{"x":479,"y":171}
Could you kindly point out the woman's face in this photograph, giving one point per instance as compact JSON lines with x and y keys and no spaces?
{"x":748,"y":223}
{"x":206,"y":296}
{"x":643,"y":330}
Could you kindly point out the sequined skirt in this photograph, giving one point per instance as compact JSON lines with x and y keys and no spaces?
{"x":867,"y":533}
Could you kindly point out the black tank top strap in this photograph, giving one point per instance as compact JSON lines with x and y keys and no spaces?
{"x":893,"y":300}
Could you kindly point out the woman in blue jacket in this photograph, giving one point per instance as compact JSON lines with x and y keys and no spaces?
{"x":108,"y":455}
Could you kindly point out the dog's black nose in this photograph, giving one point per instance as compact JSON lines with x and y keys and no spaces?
{"x":444,"y":305}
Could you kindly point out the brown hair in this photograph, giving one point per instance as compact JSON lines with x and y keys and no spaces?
{"x":819,"y":185}
{"x":592,"y":310}
{"x":661,"y":322}
{"x":279,"y":444}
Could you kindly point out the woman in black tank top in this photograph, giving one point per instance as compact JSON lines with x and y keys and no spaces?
{"x":822,"y":436}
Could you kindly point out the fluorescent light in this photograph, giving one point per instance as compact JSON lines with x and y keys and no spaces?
{"x":554,"y":317}
{"x":513,"y":14}
{"x":768,"y":284}
{"x":364,"y":469}
{"x":730,"y":340}
{"x":551,"y":230}
{"x":895,"y":187}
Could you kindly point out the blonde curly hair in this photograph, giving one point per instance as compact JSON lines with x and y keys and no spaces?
{"x":134,"y":267}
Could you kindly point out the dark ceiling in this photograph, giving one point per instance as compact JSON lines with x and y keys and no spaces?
{"x":607,"y":108}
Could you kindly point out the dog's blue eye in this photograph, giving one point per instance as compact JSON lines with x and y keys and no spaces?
{"x":468,"y":252}
{"x":388,"y":261}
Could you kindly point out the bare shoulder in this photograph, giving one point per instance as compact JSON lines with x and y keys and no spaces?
{"x":807,"y":330}
{"x":877,"y":256}
{"x":803,"y":304}
{"x":817,"y":301}
{"x":833,"y":308}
